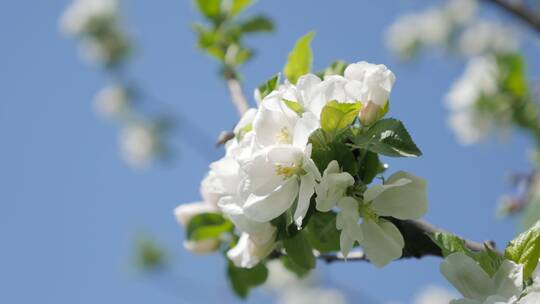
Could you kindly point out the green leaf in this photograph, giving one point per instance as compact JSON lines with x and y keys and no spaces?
{"x":209,"y":8}
{"x":238,"y":6}
{"x":257,"y":24}
{"x":388,"y":137}
{"x":207,"y":226}
{"x":514,"y":76}
{"x":370,"y":166}
{"x":327,"y":148}
{"x":300,"y":59}
{"x":267,"y":87}
{"x":525,"y":249}
{"x":489,"y":260}
{"x":299,"y":250}
{"x":292,"y":267}
{"x":322,"y":233}
{"x":295,"y":106}
{"x":243,"y":279}
{"x":448,"y":243}
{"x":336,"y":116}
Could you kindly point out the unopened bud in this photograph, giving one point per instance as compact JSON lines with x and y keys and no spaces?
{"x":370,"y":114}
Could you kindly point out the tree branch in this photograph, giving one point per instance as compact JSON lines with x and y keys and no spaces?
{"x":235,"y":89}
{"x":520,"y":11}
{"x":417,"y":242}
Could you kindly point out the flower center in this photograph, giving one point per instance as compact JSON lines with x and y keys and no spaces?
{"x":367,"y":213}
{"x":286,"y":171}
{"x":283,"y":136}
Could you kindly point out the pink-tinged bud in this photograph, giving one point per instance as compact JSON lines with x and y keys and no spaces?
{"x":370,"y":114}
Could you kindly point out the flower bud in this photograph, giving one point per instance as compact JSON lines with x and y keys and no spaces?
{"x":370,"y":114}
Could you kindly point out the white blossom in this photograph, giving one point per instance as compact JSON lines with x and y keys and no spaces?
{"x":275,"y":178}
{"x":332,"y":187}
{"x":112,"y":101}
{"x":480,"y":79}
{"x":403,"y":196}
{"x":485,"y":36}
{"x":432,"y":27}
{"x":139,"y":144}
{"x":347,"y":222}
{"x":369,"y":82}
{"x":247,"y":253}
{"x":477,"y":287}
{"x":82,"y":14}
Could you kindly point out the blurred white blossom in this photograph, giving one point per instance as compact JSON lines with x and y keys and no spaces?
{"x":139,"y":145}
{"x":485,"y":36}
{"x":480,"y":79}
{"x":112,"y":101}
{"x":81,"y":15}
{"x":431,"y":27}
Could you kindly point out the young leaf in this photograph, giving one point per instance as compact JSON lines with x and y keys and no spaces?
{"x":322,"y":233}
{"x":525,"y":249}
{"x":295,"y":106}
{"x":267,"y":87}
{"x":299,"y":250}
{"x":326,"y":149}
{"x":300,"y":59}
{"x":243,"y":279}
{"x":388,"y":137}
{"x":238,"y":6}
{"x":337,"y":116}
{"x":449,"y":243}
{"x":209,"y":8}
{"x":257,"y":24}
{"x":207,"y":226}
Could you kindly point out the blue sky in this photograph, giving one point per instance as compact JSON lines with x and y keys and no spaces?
{"x":71,"y":209}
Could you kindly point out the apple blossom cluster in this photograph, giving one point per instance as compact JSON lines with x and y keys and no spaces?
{"x":295,"y":180}
{"x":466,"y":118}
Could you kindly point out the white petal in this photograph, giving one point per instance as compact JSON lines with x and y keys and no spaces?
{"x":508,"y":279}
{"x":346,"y":243}
{"x":202,"y":246}
{"x":467,"y":276}
{"x":246,"y":119}
{"x":267,"y":207}
{"x":403,"y":196}
{"x":307,"y":184}
{"x":185,"y":212}
{"x":247,"y":254}
{"x":382,"y":242}
{"x":303,"y":129}
{"x":531,"y":298}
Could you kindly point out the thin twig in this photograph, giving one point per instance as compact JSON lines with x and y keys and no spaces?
{"x":238,"y":98}
{"x":520,"y":11}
